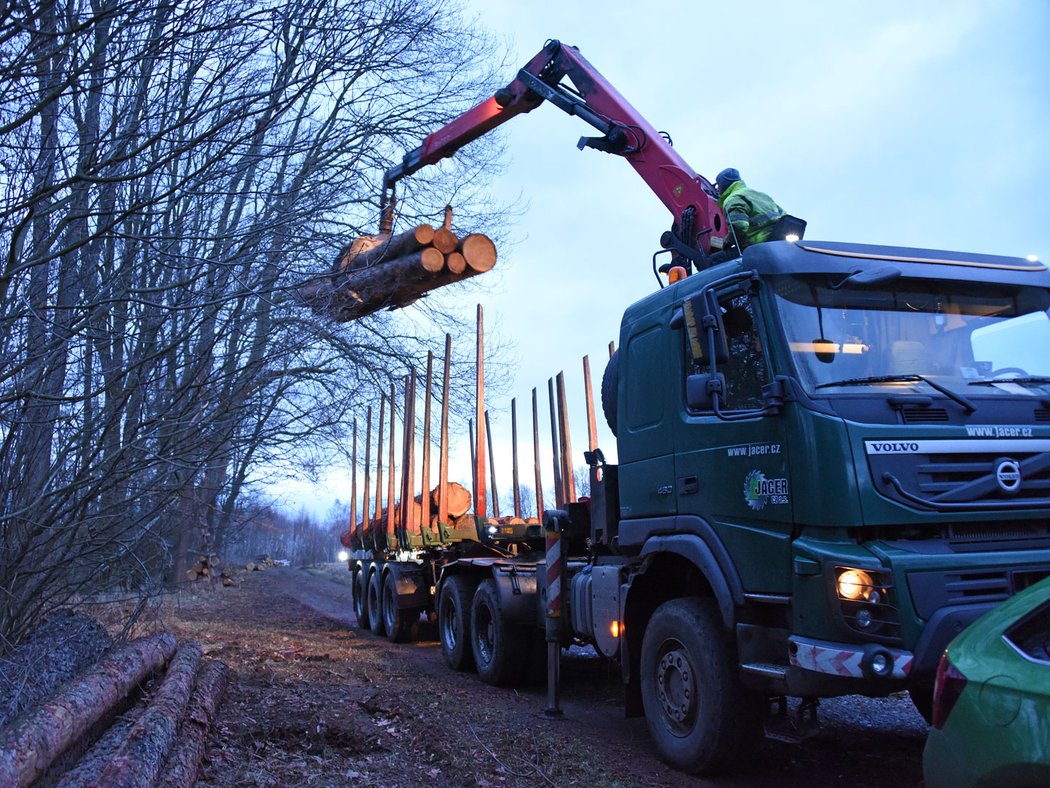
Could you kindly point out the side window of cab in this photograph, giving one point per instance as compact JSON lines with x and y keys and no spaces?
{"x":745,"y":368}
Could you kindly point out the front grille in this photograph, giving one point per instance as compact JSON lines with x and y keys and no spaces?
{"x":1042,"y":414}
{"x":954,"y":474}
{"x":931,"y":591}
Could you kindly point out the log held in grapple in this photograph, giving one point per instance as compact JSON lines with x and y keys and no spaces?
{"x":391,"y":271}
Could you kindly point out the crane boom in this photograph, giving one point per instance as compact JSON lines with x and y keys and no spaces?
{"x":689,"y":197}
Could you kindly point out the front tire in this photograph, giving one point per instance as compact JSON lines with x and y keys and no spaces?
{"x":454,"y":621}
{"x":500,"y":647}
{"x":375,"y":604}
{"x":700,"y":716}
{"x":401,"y":625}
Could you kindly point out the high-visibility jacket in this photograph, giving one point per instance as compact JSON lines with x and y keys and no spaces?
{"x":751,"y":212}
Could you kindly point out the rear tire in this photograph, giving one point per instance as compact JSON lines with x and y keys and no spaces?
{"x":361,"y":598}
{"x":375,"y":605}
{"x":610,"y":380}
{"x":401,"y":625}
{"x":454,"y":621}
{"x":700,"y":716}
{"x":500,"y":646}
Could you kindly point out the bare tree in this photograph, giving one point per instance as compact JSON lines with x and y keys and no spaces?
{"x":171,"y":172}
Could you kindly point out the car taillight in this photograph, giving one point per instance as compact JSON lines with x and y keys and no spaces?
{"x":947,"y":688}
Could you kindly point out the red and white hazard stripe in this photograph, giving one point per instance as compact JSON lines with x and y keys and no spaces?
{"x":554,"y":572}
{"x":840,"y":659}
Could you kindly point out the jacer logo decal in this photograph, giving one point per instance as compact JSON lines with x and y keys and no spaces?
{"x":759,"y":491}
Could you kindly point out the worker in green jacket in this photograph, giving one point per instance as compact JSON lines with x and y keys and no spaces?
{"x":752,"y":213}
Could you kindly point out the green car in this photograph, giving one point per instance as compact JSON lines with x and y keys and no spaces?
{"x":991,"y":700}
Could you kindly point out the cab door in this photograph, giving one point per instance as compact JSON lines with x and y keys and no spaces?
{"x":732,"y":471}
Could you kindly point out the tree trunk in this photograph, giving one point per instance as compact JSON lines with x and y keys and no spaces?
{"x":31,"y":743}
{"x":138,"y":761}
{"x":180,"y":770}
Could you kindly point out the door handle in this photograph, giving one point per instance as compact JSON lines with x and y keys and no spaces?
{"x":688,"y":485}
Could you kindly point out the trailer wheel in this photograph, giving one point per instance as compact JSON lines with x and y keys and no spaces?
{"x":454,"y":621}
{"x":700,"y":716}
{"x":610,"y":380}
{"x":500,"y":647}
{"x":361,"y":598}
{"x":401,"y":625}
{"x":375,"y":604}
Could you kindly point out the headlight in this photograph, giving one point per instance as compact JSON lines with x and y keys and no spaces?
{"x":344,"y":556}
{"x":854,"y":585}
{"x":866,"y":601}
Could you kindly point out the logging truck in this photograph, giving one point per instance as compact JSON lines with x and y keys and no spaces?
{"x":831,"y":458}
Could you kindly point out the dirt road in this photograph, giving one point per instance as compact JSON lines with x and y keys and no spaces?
{"x":315,"y":702}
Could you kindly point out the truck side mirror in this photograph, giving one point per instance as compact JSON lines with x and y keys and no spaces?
{"x":702,"y":316}
{"x":700,"y":390}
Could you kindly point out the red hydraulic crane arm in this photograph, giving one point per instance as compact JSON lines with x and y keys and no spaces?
{"x":624,"y":132}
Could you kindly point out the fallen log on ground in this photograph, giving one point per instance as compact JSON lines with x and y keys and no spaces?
{"x":138,"y":761}
{"x":30,"y":744}
{"x":184,"y":760}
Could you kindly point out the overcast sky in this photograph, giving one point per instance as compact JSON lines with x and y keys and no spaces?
{"x":901,"y":123}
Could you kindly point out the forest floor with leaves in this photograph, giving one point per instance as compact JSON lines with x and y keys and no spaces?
{"x":316,"y":702}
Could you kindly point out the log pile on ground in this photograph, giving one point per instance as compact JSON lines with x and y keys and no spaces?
{"x":166,"y":739}
{"x":208,"y":566}
{"x":391,"y":271}
{"x":260,"y":563}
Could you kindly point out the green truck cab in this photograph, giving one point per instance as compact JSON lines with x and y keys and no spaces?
{"x":838,"y":456}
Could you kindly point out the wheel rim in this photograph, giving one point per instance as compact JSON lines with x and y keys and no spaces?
{"x":449,"y":624}
{"x":485,"y":629}
{"x":676,"y":688}
{"x":389,"y":606}
{"x":373,"y":601}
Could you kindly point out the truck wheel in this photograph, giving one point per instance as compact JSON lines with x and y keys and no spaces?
{"x":375,"y":605}
{"x":699,"y":715}
{"x":401,"y":625}
{"x":361,"y":598}
{"x":500,"y":647}
{"x":610,"y":380}
{"x":454,"y":622}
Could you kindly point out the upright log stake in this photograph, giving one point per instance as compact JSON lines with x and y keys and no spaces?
{"x":568,"y":482}
{"x":379,"y":477}
{"x":443,"y":461}
{"x":514,"y":458}
{"x":592,"y":429}
{"x":424,"y":512}
{"x":353,"y":485}
{"x":391,"y":522}
{"x":559,"y":491}
{"x":473,"y":462}
{"x":368,"y":463}
{"x":492,"y":467}
{"x":536,"y":456}
{"x":408,"y":471}
{"x":480,"y":502}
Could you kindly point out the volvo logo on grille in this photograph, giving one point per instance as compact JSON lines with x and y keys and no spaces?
{"x":1008,"y":476}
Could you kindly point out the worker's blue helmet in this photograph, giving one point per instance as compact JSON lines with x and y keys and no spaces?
{"x":727,"y":178}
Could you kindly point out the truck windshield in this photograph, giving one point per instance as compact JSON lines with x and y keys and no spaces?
{"x":913,"y":330}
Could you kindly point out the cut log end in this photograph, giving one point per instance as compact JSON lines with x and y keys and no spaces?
{"x":432,"y":260}
{"x":456,"y":263}
{"x":479,"y":251}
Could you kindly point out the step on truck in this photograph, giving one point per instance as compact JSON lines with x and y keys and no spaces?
{"x":831,"y":458}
